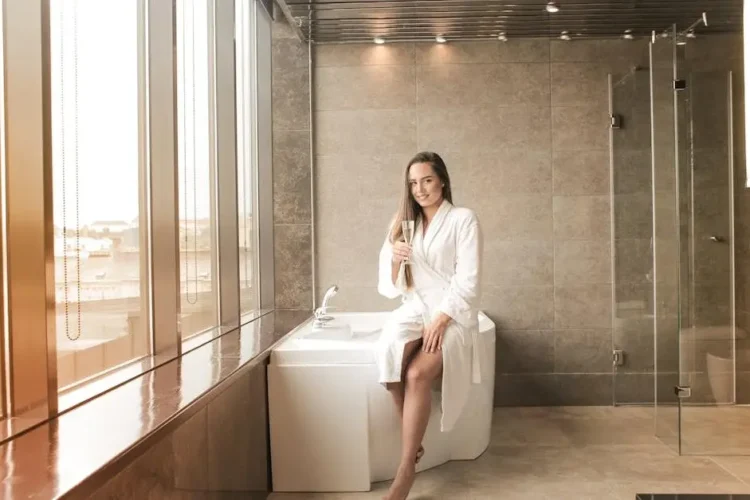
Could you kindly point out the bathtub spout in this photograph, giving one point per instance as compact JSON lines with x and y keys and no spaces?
{"x":321,"y":313}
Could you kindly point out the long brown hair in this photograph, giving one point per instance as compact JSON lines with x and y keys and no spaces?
{"x":409,"y":209}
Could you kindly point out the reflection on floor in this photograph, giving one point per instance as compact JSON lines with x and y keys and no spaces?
{"x":597,"y":453}
{"x":716,"y":430}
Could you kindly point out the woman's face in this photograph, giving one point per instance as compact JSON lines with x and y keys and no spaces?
{"x":426,"y":186}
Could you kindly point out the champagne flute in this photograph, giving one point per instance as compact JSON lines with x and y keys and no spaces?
{"x":407,"y":227}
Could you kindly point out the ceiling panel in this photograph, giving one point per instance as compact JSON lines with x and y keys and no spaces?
{"x":337,"y":21}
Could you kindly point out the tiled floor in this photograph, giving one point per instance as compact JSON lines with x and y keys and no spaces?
{"x":597,"y":453}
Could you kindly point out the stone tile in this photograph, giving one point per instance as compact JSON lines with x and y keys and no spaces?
{"x":357,"y":298}
{"x":525,"y":351}
{"x":584,"y":389}
{"x":502,"y":127}
{"x":583,"y":306}
{"x":633,"y":216}
{"x":341,"y":55}
{"x":635,"y":388}
{"x":583,"y":351}
{"x":580,"y":128}
{"x":516,"y":217}
{"x":635,"y":337}
{"x":291,"y":172}
{"x":291,"y":99}
{"x":632,"y":170}
{"x":293,"y":264}
{"x":581,"y":217}
{"x":652,"y":463}
{"x":579,"y":84}
{"x":526,"y":390}
{"x":582,"y":261}
{"x":280,"y":30}
{"x":508,"y":171}
{"x":364,"y":87}
{"x":366,"y":132}
{"x":509,"y":263}
{"x":519,"y":308}
{"x":519,"y":50}
{"x":288,"y":53}
{"x":702,"y":54}
{"x":620,"y":55}
{"x":482,"y":85}
{"x":633,"y":261}
{"x":581,"y":172}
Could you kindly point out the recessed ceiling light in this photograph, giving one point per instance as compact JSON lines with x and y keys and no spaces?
{"x":502,"y":37}
{"x":440,"y":39}
{"x":552,"y":7}
{"x":564,"y":36}
{"x":628,"y":35}
{"x":379,"y":40}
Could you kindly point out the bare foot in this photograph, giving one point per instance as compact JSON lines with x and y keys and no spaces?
{"x":401,"y":485}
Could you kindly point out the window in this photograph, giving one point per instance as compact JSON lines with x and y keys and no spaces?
{"x":246,"y":147}
{"x":196,"y":159}
{"x":99,"y":248}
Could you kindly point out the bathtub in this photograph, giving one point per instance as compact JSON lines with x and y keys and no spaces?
{"x":334,"y":428}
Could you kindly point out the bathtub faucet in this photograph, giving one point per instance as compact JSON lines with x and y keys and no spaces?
{"x":321,"y":313}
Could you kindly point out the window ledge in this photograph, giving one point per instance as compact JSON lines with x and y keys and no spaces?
{"x":55,"y":457}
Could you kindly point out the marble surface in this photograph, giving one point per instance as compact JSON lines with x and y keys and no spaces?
{"x":573,"y":453}
{"x":53,"y":459}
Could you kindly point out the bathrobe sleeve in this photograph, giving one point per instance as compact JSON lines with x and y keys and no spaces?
{"x":462,"y":297}
{"x":386,"y":287}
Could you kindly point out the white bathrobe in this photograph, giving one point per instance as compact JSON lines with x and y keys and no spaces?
{"x":445,"y":264}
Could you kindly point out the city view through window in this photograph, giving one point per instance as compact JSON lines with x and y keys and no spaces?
{"x":100,"y":253}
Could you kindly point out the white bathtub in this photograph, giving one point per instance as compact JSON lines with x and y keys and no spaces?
{"x":334,"y":428}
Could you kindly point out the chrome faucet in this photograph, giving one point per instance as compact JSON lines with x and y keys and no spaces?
{"x":321,"y":313}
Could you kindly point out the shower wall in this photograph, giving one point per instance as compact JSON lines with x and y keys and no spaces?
{"x":633,"y":331}
{"x":524,"y":128}
{"x":673,"y":278}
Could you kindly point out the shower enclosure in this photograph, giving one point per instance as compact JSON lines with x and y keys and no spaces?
{"x":674,"y":332}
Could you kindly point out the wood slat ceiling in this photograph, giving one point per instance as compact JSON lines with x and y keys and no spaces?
{"x":335,"y":21}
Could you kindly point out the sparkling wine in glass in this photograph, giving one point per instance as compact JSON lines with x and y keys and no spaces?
{"x":407,"y":227}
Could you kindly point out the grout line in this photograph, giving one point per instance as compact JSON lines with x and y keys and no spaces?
{"x":713,"y":459}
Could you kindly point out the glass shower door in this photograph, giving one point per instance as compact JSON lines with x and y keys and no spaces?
{"x":666,"y":238}
{"x":633,"y":292}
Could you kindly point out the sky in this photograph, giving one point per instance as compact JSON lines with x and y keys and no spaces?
{"x":107,"y":103}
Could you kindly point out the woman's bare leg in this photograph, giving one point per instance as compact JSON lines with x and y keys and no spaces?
{"x":420,"y":375}
{"x":397,"y":388}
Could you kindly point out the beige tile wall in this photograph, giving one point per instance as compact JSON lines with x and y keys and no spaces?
{"x":291,"y":169}
{"x":523,"y":127}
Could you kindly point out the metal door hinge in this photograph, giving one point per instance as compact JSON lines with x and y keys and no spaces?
{"x":618,"y":357}
{"x":679,"y":84}
{"x":615,"y":121}
{"x":683,"y":391}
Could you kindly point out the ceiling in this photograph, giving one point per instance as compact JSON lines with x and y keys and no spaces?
{"x":336,"y":21}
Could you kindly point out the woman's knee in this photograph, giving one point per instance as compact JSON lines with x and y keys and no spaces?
{"x":418,"y":374}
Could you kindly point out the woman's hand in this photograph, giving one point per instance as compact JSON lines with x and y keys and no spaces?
{"x":432,"y":335}
{"x":401,"y":251}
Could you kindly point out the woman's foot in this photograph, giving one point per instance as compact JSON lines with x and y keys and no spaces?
{"x":420,"y":453}
{"x":401,"y":485}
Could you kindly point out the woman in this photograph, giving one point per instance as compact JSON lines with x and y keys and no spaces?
{"x":433,"y":332}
